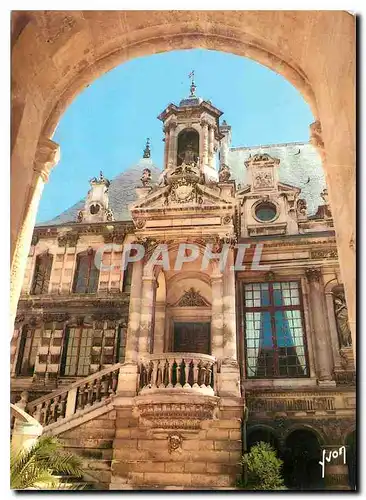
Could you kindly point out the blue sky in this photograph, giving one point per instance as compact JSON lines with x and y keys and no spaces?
{"x":106,"y":126}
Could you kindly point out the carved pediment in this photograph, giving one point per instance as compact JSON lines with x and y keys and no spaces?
{"x":192,"y":298}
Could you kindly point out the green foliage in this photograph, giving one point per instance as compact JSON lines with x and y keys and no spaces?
{"x":263,"y":469}
{"x":40,"y":467}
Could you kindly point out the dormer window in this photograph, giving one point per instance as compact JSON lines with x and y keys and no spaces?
{"x":94,"y":209}
{"x":265,"y":211}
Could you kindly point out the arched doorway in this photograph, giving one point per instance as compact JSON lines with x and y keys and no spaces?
{"x":352,"y":459}
{"x":301,"y":461}
{"x":263,"y":434}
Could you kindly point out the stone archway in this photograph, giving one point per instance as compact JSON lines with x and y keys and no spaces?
{"x":301,"y":460}
{"x":56,"y":54}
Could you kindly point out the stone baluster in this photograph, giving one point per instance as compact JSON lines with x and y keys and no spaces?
{"x":46,"y":157}
{"x":38,"y":412}
{"x":154,"y":374}
{"x":80,"y":400}
{"x":316,"y":297}
{"x":98,"y":389}
{"x":171,"y":373}
{"x":71,"y":403}
{"x":186,"y":372}
{"x":89,"y":393}
{"x":63,"y":403}
{"x":46,"y":413}
{"x":114,"y":381}
{"x":195,"y":372}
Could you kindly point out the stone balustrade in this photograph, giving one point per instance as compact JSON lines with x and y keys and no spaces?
{"x":83,"y":394}
{"x":184,"y":371}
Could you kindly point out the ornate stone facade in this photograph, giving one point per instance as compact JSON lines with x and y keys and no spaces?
{"x":177,"y":348}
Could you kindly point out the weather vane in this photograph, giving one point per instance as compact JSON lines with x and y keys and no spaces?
{"x":193,"y":86}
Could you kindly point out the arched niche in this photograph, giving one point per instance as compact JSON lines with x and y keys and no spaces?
{"x":188,"y":146}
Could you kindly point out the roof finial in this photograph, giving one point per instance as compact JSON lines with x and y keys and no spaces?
{"x":193,"y":86}
{"x":147,"y":152}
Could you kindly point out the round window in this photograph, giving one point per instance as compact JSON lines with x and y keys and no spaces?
{"x":94,"y":209}
{"x":265,"y":211}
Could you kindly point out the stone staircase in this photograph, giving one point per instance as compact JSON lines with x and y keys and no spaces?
{"x":120,"y":421}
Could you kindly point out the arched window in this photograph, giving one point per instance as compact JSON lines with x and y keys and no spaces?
{"x":188,"y":146}
{"x":42,"y":274}
{"x":87,"y":274}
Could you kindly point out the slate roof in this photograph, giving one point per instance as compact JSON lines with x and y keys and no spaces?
{"x":300,"y":166}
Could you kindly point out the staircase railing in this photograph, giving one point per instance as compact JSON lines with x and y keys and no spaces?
{"x":80,"y":395}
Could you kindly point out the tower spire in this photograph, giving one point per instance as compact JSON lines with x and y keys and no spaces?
{"x":147,"y":152}
{"x":193,"y":85}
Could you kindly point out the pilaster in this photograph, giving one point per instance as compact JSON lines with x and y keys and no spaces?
{"x":316,"y":296}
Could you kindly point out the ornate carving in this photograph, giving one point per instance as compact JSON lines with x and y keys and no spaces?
{"x":341,"y":314}
{"x":270,"y":276}
{"x":80,"y":216}
{"x":108,"y":215}
{"x":224,"y":173}
{"x":324,"y":254}
{"x":309,"y":404}
{"x":325,"y":197}
{"x":70,"y":239}
{"x":316,"y":138}
{"x":301,"y":206}
{"x":57,"y":317}
{"x":59,"y":27}
{"x":177,"y":415}
{"x":140,"y":223}
{"x":263,"y":179}
{"x":35,"y":239}
{"x":192,"y":298}
{"x":175,"y":442}
{"x":19,"y":319}
{"x":226,"y":220}
{"x":107,"y":316}
{"x":313,"y":274}
{"x":148,"y":243}
{"x":47,"y":156}
{"x":146,"y":177}
{"x":182,"y":191}
{"x":262,"y":159}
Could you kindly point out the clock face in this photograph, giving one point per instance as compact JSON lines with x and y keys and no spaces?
{"x":94,"y":208}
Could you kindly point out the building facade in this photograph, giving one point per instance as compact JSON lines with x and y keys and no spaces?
{"x":175,"y":317}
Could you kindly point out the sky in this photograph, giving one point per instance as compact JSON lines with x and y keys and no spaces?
{"x":106,"y":126}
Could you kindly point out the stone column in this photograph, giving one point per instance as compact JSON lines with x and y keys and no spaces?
{"x":46,"y":157}
{"x":133,"y":327}
{"x":308,"y":327}
{"x":166,"y":148}
{"x":204,"y":136}
{"x":127,"y":379}
{"x":172,"y":155}
{"x":147,"y":312}
{"x":229,"y":331}
{"x":211,"y":144}
{"x":159,"y":328}
{"x":217,"y":316}
{"x":316,"y":296}
{"x":333,"y":328}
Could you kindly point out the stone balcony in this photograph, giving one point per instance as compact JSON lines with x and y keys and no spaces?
{"x":177,"y":372}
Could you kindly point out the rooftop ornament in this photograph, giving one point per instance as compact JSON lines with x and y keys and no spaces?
{"x":147,"y":152}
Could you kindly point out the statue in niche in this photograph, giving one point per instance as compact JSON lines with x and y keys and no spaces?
{"x":188,"y":157}
{"x":224,"y":173}
{"x":146,"y":177}
{"x":341,"y":314}
{"x":301,"y":206}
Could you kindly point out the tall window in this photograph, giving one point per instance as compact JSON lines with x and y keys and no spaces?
{"x":29,"y":343}
{"x":87,"y":274}
{"x":42,"y":274}
{"x":77,"y":352}
{"x":274,"y":333}
{"x":127,"y":278}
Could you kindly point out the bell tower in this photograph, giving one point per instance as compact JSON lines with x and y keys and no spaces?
{"x":192,"y":135}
